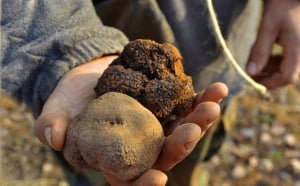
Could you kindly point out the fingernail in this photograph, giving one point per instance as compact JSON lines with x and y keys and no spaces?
{"x":252,"y":68}
{"x":48,"y":135}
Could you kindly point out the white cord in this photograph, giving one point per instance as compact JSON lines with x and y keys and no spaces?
{"x":259,"y":87}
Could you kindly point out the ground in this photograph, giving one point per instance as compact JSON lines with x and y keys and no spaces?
{"x":262,"y":148}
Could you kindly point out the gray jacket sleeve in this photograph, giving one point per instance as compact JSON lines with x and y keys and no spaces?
{"x":41,"y":40}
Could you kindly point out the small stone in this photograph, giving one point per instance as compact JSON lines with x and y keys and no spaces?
{"x":265,"y":138}
{"x":248,"y":133}
{"x":47,"y":168}
{"x":295,"y":163}
{"x":266,"y":165}
{"x":265,"y":127}
{"x":290,"y":140}
{"x":215,"y":160}
{"x":284,"y":175}
{"x":63,"y":183}
{"x":277,"y":129}
{"x":6,"y":121}
{"x":17,"y":116}
{"x":239,"y":172}
{"x":253,"y":161}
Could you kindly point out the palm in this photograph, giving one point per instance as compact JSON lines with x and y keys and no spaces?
{"x":76,"y":90}
{"x":69,"y":99}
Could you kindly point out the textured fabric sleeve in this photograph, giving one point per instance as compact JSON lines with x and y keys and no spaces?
{"x":42,"y":40}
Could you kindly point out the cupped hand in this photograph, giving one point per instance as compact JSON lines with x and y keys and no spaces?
{"x":183,"y":134}
{"x":72,"y":94}
{"x":280,"y":24}
{"x":76,"y":90}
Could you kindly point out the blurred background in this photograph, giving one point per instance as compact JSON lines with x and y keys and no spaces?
{"x":262,"y":148}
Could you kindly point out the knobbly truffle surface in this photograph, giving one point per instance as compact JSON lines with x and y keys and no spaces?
{"x":153,"y":74}
{"x":116,"y":135}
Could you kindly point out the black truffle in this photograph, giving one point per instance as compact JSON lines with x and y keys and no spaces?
{"x":153,"y":74}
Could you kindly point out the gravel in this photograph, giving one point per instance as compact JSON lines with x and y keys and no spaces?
{"x":262,"y":148}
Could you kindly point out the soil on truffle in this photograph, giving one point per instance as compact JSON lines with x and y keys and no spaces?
{"x":153,"y":74}
{"x":116,"y":135}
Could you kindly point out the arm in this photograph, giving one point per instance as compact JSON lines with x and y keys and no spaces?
{"x":42,"y":40}
{"x":51,"y":63}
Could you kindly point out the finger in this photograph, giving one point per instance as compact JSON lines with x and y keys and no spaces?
{"x":204,"y":115}
{"x":70,"y":97}
{"x":51,"y":126}
{"x":262,"y":47}
{"x":178,"y":145}
{"x":151,"y":177}
{"x":215,"y":92}
{"x":290,"y":66}
{"x":272,"y":67}
{"x":288,"y":73}
{"x":51,"y":129}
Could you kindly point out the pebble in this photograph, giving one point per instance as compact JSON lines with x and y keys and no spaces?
{"x":284,"y":175}
{"x":248,"y":133}
{"x":295,"y":163}
{"x":6,"y":121}
{"x":47,"y":168}
{"x":216,"y":160}
{"x":265,"y":138}
{"x":265,"y":127}
{"x":253,"y":161}
{"x":290,"y":140}
{"x":239,"y":172}
{"x":266,"y":165}
{"x":63,"y":183}
{"x":17,"y":116}
{"x":277,"y":129}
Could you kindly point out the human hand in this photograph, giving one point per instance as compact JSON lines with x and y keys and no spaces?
{"x":75,"y":91}
{"x":72,"y":94}
{"x":280,"y":24}
{"x":183,"y":133}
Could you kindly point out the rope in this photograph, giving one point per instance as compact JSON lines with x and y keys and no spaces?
{"x":260,"y":88}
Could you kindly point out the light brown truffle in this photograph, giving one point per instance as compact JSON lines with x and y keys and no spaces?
{"x":116,"y":135}
{"x":153,"y":74}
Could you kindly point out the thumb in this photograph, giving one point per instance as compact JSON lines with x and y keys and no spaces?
{"x":262,"y":47}
{"x":51,"y":129}
{"x":151,"y":177}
